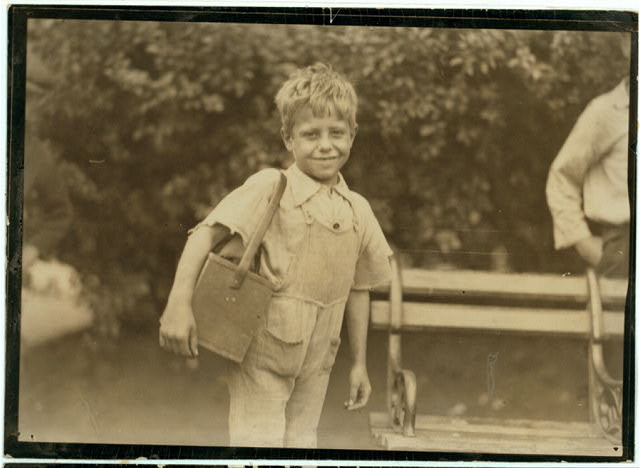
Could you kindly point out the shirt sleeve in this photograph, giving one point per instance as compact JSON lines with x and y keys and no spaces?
{"x":566,"y":178}
{"x":241,"y":210}
{"x":373,"y":267}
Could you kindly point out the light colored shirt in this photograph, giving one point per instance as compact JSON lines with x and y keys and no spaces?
{"x":588,"y":179}
{"x":337,"y":208}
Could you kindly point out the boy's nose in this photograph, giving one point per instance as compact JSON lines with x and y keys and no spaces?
{"x":325,"y":143}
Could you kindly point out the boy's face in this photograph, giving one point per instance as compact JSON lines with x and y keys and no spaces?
{"x":320,"y":145}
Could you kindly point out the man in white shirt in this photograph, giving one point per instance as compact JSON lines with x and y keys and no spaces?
{"x":587,"y":186}
{"x":587,"y":191}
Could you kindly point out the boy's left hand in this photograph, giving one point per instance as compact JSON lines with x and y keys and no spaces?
{"x":359,"y":387}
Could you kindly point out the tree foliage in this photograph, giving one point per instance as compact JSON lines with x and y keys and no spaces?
{"x":156,"y":121}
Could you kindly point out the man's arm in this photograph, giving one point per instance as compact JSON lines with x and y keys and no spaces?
{"x":565,"y":184}
{"x":177,"y":325}
{"x":358,"y":326}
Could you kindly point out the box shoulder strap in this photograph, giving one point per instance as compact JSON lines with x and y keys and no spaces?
{"x":256,"y":238}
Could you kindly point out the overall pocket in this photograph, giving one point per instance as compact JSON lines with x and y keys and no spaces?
{"x":281,"y":342}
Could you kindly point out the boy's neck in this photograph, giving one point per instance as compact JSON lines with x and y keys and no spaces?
{"x":331,"y":184}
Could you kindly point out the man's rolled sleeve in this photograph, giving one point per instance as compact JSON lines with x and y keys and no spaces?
{"x":241,"y":210}
{"x":372,"y":267}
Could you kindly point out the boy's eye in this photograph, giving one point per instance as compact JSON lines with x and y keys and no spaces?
{"x":309,"y":134}
{"x":337,"y":133}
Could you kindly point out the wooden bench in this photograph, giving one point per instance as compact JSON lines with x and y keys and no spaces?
{"x":583,"y":307}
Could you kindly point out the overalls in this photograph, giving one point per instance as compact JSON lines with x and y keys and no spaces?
{"x":277,"y":392}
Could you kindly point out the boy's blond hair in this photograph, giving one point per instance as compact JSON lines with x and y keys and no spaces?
{"x":321,"y":89}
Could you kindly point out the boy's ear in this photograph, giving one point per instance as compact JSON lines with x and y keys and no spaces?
{"x":354,"y":132}
{"x":286,"y":138}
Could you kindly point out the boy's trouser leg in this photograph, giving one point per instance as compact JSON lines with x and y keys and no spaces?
{"x":260,"y":387}
{"x":281,"y":384}
{"x":257,"y":402}
{"x":306,"y":401}
{"x":303,"y":411}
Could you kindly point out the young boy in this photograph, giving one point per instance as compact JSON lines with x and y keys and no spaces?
{"x":324,"y":250}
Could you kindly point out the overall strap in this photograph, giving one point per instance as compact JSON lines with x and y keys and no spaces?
{"x":256,"y":237}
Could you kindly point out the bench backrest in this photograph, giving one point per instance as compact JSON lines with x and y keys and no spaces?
{"x":516,"y":302}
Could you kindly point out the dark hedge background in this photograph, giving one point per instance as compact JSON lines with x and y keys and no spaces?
{"x":155,"y":122}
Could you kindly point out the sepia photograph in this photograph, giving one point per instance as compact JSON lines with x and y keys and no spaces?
{"x":369,"y":231}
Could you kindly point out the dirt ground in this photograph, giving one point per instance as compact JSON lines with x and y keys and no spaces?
{"x":79,"y":389}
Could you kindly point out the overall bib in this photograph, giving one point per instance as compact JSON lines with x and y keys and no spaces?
{"x":277,"y":392}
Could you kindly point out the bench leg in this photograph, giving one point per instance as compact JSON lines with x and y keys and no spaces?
{"x":410,"y":388}
{"x":402,"y":389}
{"x":401,"y":393}
{"x":605,"y":394}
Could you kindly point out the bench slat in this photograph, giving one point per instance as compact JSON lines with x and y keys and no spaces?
{"x":505,"y":436}
{"x":574,"y":322}
{"x":523,"y":286}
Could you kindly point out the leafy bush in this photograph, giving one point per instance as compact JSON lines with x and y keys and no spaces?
{"x":156,"y":121}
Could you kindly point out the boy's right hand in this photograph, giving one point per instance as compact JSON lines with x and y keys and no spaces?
{"x":590,"y":249}
{"x":178,"y":330}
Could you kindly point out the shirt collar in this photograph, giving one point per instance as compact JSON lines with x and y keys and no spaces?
{"x":304,"y":187}
{"x":621,"y":96}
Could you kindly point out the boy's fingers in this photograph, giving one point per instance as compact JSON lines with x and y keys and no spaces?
{"x":362,"y":401}
{"x":172,"y":344}
{"x":193,"y":343}
{"x":175,"y":346}
{"x":366,"y":393}
{"x":183,"y":344}
{"x":356,"y":406}
{"x":358,"y":396}
{"x":353,"y":395}
{"x":160,"y":339}
{"x":165,"y":341}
